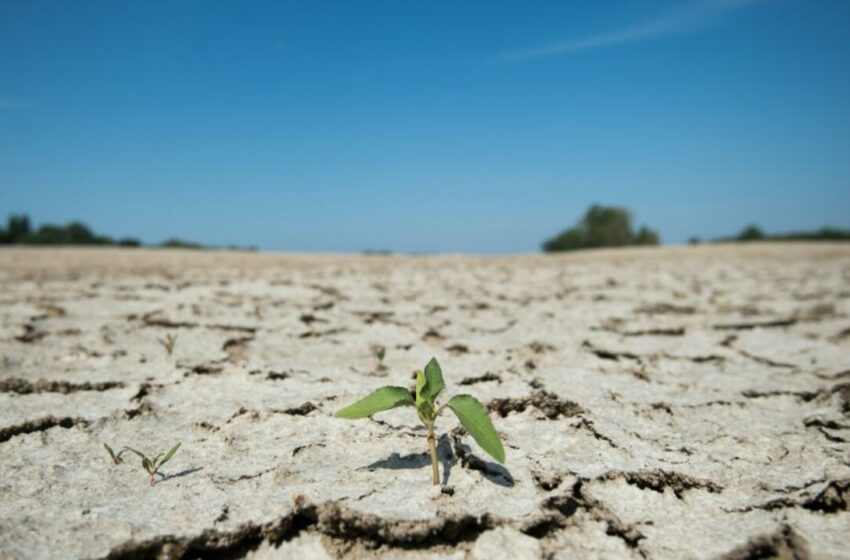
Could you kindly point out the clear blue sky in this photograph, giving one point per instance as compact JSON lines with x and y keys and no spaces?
{"x":423,"y":126}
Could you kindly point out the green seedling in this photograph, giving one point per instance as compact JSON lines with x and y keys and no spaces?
{"x":168,"y":342}
{"x":152,"y":466}
{"x":116,"y":457}
{"x":380,"y":352}
{"x":471,"y":413}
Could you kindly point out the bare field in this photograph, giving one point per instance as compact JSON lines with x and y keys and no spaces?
{"x":654,"y":403}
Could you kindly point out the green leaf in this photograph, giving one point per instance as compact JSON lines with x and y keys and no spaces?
{"x":433,"y":381}
{"x":420,"y":383}
{"x":115,"y":458}
{"x":146,"y":464}
{"x":170,"y":454}
{"x":424,"y":409}
{"x":384,"y":398}
{"x":475,"y":419}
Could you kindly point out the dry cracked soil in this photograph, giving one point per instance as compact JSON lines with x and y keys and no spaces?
{"x":654,"y":403}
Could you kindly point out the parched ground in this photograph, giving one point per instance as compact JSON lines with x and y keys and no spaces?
{"x":654,"y":403}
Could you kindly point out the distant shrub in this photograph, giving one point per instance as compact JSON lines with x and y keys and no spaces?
{"x":75,"y":233}
{"x":175,"y":243}
{"x":601,"y":226}
{"x":750,"y":233}
{"x":568,"y":240}
{"x":646,"y":237}
{"x":18,"y":227}
{"x":823,"y":234}
{"x":18,"y":231}
{"x":754,"y":233}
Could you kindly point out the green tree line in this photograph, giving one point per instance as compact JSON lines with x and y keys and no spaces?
{"x":19,"y":231}
{"x":601,"y":226}
{"x":755,"y":233}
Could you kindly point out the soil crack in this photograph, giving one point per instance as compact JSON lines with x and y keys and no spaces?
{"x":550,"y":404}
{"x":745,"y":326}
{"x":40,"y":425}
{"x":783,"y":543}
{"x":25,"y":387}
{"x":658,"y":480}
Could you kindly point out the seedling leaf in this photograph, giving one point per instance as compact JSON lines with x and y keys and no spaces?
{"x":420,"y":384}
{"x":473,"y":416}
{"x":424,"y":408}
{"x":384,"y":398}
{"x":433,"y":381}
{"x":170,"y":454}
{"x":115,"y":458}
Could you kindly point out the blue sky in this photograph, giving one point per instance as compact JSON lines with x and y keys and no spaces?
{"x":423,"y":126}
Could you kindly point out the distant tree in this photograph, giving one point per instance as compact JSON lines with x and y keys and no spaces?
{"x":646,"y":237}
{"x":75,"y":233}
{"x":754,"y":233}
{"x":47,"y":235}
{"x":601,"y":226}
{"x":694,"y":240}
{"x":823,"y":234}
{"x":79,"y":234}
{"x":750,"y":233}
{"x":568,"y":240}
{"x":175,"y":243}
{"x":607,"y":226}
{"x":18,"y":228}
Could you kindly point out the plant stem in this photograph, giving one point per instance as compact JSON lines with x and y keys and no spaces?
{"x":432,"y":448}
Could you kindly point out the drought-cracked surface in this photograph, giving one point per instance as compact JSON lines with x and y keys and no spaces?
{"x":654,"y":403}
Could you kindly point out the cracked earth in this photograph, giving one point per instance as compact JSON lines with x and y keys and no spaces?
{"x":654,"y":403}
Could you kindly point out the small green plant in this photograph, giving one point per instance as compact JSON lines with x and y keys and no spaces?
{"x":379,"y":351}
{"x":116,"y":457}
{"x":151,"y":466}
{"x":471,"y":413}
{"x":168,"y":342}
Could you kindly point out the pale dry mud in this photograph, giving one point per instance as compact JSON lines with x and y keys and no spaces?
{"x":654,"y":403}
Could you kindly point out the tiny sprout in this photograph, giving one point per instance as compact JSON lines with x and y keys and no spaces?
{"x":168,"y":342}
{"x":380,"y":352}
{"x":116,"y":457}
{"x":471,"y":413}
{"x":151,"y":466}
